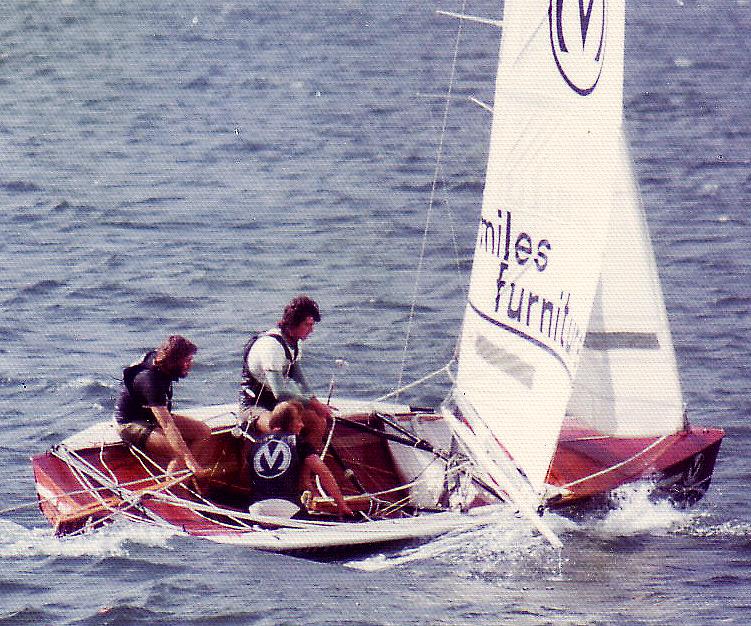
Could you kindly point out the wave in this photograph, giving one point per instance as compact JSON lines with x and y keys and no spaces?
{"x":91,"y":385}
{"x":19,"y":186}
{"x":12,"y":376}
{"x":167,"y":302}
{"x":17,"y":541}
{"x":730,"y":529}
{"x":246,"y":146}
{"x":637,"y":514}
{"x":27,"y":615}
{"x":200,"y":83}
{"x":509,"y":546}
{"x":488,"y":551}
{"x":42,"y":287}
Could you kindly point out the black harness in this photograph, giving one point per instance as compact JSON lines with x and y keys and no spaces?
{"x":130,"y":372}
{"x":136,"y":409}
{"x":252,"y":391}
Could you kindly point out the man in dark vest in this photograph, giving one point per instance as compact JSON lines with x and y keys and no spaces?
{"x":279,"y":461}
{"x":144,"y":408}
{"x":271,"y":372}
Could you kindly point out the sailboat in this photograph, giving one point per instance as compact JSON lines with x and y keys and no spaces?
{"x":564,"y":387}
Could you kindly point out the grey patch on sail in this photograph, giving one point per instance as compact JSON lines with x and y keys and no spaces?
{"x":621,"y":341}
{"x":505,"y":361}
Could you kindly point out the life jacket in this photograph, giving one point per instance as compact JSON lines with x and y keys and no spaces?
{"x":252,"y":391}
{"x":130,"y":406}
{"x":274,"y":464}
{"x":130,"y":372}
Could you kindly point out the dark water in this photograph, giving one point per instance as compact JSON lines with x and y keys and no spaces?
{"x":185,"y":167}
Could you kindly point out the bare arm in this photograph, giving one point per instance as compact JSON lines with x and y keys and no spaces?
{"x":318,"y":467}
{"x":296,"y":374}
{"x":174,"y":438}
{"x":311,"y":400}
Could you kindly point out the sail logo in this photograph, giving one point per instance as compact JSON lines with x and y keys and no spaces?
{"x":577,"y":38}
{"x":518,"y":296}
{"x":272,"y":459}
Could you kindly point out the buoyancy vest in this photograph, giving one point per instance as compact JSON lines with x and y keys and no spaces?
{"x":253,"y":392}
{"x":130,"y":372}
{"x":275,"y":465}
{"x":130,"y":405}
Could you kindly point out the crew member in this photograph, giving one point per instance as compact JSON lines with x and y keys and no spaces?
{"x":271,"y":372}
{"x":144,"y":414}
{"x":280,"y":461}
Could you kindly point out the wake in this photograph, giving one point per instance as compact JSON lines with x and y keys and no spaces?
{"x":16,"y":541}
{"x":509,"y":539}
{"x":510,"y":543}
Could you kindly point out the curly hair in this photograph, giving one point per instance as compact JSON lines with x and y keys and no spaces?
{"x":172,"y":352}
{"x":297,"y":311}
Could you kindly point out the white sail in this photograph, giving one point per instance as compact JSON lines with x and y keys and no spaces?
{"x":554,"y":176}
{"x":627,"y":383}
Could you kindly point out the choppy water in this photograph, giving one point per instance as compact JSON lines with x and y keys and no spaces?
{"x":187,"y":166}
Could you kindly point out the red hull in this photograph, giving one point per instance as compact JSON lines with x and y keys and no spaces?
{"x":586,"y":464}
{"x":72,"y":501}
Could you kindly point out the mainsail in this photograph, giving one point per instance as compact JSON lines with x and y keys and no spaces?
{"x":557,"y":170}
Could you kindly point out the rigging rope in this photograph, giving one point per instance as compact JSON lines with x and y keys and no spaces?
{"x":325,"y":449}
{"x":125,"y":498}
{"x":67,"y":494}
{"x":445,"y":369}
{"x":439,"y":154}
{"x":143,"y":457}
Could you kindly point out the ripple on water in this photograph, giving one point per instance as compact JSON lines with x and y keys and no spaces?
{"x":135,"y":210}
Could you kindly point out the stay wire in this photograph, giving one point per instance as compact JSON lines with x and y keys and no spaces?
{"x":436,"y":174}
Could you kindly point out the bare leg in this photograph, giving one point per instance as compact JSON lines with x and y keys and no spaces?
{"x":315,"y":427}
{"x":196,"y":435}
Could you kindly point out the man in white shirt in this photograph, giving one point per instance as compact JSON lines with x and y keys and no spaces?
{"x":272,"y":372}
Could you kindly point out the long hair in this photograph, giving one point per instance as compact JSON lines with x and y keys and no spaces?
{"x":297,"y":311}
{"x":172,"y":352}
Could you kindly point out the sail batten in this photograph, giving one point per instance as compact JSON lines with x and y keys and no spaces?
{"x":471,"y":18}
{"x":621,"y":340}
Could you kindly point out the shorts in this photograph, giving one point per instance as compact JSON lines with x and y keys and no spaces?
{"x":136,"y":433}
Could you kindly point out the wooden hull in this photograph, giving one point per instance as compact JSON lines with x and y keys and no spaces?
{"x":679,"y":465}
{"x":93,"y":479}
{"x":96,"y":479}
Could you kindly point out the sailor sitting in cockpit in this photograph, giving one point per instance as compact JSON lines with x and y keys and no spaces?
{"x":281,"y":462}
